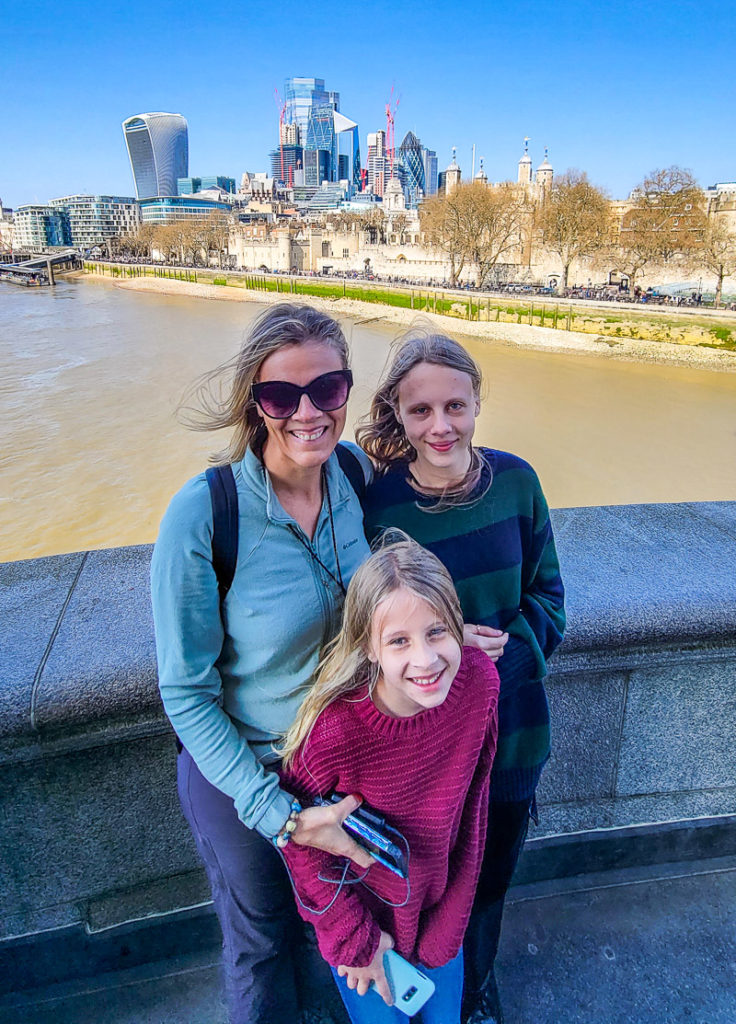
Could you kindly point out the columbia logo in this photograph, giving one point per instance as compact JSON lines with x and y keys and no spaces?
{"x":350,"y":543}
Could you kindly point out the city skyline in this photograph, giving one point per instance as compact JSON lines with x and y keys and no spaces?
{"x":488,"y":78}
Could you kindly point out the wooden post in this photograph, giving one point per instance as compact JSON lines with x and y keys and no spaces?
{"x":343,"y":288}
{"x":435,"y":301}
{"x":470,"y":310}
{"x":531,"y":313}
{"x":569,"y":317}
{"x":412,"y":298}
{"x":498,"y":313}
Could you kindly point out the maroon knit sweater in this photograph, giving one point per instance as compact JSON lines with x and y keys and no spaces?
{"x":428,"y":775}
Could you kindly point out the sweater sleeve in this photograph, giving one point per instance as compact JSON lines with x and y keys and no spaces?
{"x":189,"y":638}
{"x":540,"y":624}
{"x":346,"y":931}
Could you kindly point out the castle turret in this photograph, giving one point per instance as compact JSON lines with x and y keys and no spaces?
{"x":481,"y":177}
{"x":525,"y":166}
{"x":452,"y":175}
{"x":545,"y":172}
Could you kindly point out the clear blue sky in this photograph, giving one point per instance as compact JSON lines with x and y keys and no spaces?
{"x":615,"y":90}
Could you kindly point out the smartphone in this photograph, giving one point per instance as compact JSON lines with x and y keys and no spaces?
{"x":372,"y":833}
{"x":410,"y":988}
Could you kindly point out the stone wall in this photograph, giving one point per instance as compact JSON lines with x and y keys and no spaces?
{"x":642,"y":695}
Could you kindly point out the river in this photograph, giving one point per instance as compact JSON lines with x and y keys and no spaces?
{"x":92,"y":375}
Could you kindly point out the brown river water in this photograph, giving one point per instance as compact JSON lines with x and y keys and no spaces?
{"x":92,"y":452}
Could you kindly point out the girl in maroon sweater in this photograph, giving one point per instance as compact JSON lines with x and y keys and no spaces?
{"x":404,"y":716}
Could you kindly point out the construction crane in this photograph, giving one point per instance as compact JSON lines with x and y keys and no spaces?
{"x":282,"y":110}
{"x":390,"y":142}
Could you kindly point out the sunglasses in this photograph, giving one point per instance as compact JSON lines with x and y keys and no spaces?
{"x":279,"y":399}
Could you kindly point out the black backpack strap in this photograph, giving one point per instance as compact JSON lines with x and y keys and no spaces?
{"x":351,"y":466}
{"x":224,"y":498}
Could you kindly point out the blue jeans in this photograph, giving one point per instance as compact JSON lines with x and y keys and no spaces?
{"x":442,"y":1008}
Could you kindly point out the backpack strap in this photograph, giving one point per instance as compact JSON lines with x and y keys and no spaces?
{"x":224,"y":498}
{"x":351,"y":466}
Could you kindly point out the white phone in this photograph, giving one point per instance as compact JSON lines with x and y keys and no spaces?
{"x":410,"y":988}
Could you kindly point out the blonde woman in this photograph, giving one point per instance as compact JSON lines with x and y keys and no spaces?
{"x":483,"y":513}
{"x":404,"y":716}
{"x":234,"y":667}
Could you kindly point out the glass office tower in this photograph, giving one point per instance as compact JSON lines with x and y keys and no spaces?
{"x":331,"y":148}
{"x":158,"y":148}
{"x":412,"y":160}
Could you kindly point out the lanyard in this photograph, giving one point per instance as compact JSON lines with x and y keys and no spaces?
{"x":312,"y":553}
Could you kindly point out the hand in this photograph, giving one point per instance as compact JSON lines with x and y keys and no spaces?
{"x":360,"y":978}
{"x":321,"y":827}
{"x":487,"y":639}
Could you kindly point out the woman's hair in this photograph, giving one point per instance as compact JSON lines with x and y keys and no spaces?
{"x":222,"y":397}
{"x":379,"y":432}
{"x":345,"y":667}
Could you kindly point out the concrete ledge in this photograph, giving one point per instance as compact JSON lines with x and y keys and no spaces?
{"x":641,"y":691}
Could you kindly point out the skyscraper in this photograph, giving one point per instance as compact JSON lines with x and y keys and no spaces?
{"x":331,"y":149}
{"x":412,"y":160}
{"x":158,"y":147}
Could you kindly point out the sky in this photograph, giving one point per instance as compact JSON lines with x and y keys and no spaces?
{"x":615,"y":90}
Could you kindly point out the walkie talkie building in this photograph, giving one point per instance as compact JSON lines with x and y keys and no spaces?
{"x":158,"y":147}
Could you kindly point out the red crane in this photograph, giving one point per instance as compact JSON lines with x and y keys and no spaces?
{"x":282,"y":110}
{"x":390,"y":143}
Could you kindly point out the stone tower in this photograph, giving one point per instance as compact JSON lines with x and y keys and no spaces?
{"x":525,"y":166}
{"x":452,"y":175}
{"x":545,"y":173}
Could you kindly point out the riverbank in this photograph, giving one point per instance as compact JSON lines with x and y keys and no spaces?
{"x":518,"y":335}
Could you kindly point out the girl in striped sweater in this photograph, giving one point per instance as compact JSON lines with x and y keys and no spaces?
{"x":483,"y":513}
{"x":404,"y":716}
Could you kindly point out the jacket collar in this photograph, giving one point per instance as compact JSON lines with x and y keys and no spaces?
{"x":259,"y":483}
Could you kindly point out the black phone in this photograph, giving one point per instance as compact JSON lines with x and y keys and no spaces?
{"x":371,"y":831}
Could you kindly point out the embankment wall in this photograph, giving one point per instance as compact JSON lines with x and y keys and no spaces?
{"x":642,"y":696}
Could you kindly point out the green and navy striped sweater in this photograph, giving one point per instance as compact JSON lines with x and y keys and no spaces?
{"x":501,"y":554}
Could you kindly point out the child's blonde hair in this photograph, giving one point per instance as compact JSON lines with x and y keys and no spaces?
{"x":345,"y":667}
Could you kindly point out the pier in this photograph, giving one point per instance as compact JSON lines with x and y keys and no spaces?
{"x":38,"y":269}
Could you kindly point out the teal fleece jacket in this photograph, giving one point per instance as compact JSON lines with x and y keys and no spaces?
{"x":232,"y":684}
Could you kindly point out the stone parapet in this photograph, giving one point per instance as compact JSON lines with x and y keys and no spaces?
{"x":641,"y":691}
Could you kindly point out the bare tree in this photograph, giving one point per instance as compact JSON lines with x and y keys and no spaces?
{"x":717,"y":252}
{"x":666,"y":220}
{"x":442,"y":224}
{"x":493,"y":220}
{"x":574,"y":220}
{"x":475,"y":225}
{"x":374,"y":222}
{"x":399,"y":224}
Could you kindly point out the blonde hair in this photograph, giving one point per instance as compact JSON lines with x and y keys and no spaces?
{"x":381,"y":435}
{"x":345,"y":667}
{"x":222,"y":397}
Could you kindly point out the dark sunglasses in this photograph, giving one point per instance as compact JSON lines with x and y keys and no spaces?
{"x":279,"y":399}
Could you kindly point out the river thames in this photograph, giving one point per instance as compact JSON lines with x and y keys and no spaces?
{"x":92,"y":375}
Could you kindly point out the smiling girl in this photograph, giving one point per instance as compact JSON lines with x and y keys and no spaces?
{"x":404,"y":716}
{"x":483,"y":513}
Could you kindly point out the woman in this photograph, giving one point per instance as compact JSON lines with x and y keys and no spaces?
{"x":483,"y":513}
{"x":232,"y":673}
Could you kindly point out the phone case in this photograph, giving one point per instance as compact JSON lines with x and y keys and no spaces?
{"x":410,"y":988}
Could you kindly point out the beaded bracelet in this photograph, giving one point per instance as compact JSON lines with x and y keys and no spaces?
{"x":283,"y":837}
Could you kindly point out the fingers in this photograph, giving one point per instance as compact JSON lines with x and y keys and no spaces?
{"x":485,"y":630}
{"x":382,"y":987}
{"x":358,"y":854}
{"x":347,"y":805}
